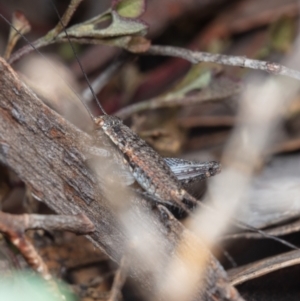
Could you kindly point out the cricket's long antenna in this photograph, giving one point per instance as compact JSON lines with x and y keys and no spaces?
{"x":243,"y":225}
{"x":266,"y":235}
{"x":78,"y":60}
{"x":48,"y":61}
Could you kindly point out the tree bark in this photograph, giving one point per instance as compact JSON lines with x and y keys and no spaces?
{"x":47,"y":153}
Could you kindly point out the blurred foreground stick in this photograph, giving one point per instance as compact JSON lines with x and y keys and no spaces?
{"x":46,"y":152}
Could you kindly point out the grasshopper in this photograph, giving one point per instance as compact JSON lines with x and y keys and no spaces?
{"x":162,"y":179}
{"x":153,"y":173}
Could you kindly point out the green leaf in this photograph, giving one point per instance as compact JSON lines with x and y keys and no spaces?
{"x":283,"y":34}
{"x":196,"y":79}
{"x":121,"y":32}
{"x":130,"y":8}
{"x":27,"y":287}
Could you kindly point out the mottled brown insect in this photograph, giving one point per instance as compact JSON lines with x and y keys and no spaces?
{"x":148,"y":168}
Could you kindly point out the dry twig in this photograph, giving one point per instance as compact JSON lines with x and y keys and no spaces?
{"x":49,"y":37}
{"x":14,"y":226}
{"x":276,"y":231}
{"x":257,"y":269}
{"x":196,"y":57}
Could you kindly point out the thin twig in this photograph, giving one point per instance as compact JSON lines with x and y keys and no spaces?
{"x":49,"y":38}
{"x":276,"y":231}
{"x":196,"y":57}
{"x":220,"y":88}
{"x":78,"y":224}
{"x":14,"y":226}
{"x":65,"y":19}
{"x":263,"y":267}
{"x":104,"y":77}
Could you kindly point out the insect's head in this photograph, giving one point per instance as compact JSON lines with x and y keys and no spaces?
{"x":213,"y":168}
{"x":107,"y":121}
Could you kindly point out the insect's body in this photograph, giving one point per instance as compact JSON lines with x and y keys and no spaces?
{"x":148,"y":168}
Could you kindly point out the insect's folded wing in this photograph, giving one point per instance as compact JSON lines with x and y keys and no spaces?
{"x":186,"y":170}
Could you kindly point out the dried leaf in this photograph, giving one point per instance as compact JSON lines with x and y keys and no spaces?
{"x":138,"y":45}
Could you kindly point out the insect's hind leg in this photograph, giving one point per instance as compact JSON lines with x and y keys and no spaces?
{"x":179,"y":209}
